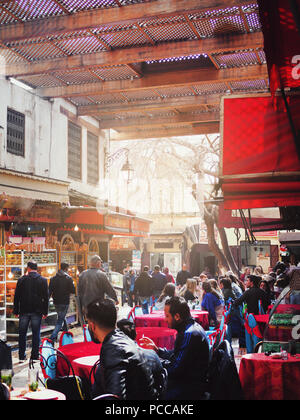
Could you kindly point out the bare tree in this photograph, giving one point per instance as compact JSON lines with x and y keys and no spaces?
{"x":195,"y":163}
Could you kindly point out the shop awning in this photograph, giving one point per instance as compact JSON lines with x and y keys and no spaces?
{"x":90,"y":220}
{"x":27,"y":186}
{"x":260,"y":164}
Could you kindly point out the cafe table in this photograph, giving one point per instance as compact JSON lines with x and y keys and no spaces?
{"x":83,"y":365}
{"x":19,"y":394}
{"x":161,"y":336}
{"x":76,"y":351}
{"x":157,"y":319}
{"x":265,"y":378}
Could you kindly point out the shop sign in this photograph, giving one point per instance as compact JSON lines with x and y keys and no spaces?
{"x":117,"y":223}
{"x":138,"y":226}
{"x":119,"y":244}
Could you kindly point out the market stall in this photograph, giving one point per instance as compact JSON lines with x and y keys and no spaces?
{"x":13,"y":263}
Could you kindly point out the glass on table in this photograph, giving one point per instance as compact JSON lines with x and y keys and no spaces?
{"x":33,"y":378}
{"x":6,"y":377}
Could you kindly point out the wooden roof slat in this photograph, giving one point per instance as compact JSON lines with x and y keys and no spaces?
{"x":146,"y":105}
{"x":140,"y":54}
{"x":162,"y":120}
{"x":158,"y":81}
{"x":103,"y":16}
{"x":204,"y":128}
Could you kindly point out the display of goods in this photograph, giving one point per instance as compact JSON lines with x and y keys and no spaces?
{"x":13,"y":259}
{"x":283,"y":320}
{"x":40,"y":258}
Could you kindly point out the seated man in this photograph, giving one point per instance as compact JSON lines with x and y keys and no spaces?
{"x":123,"y":370}
{"x":187,"y":364}
{"x":158,"y":371}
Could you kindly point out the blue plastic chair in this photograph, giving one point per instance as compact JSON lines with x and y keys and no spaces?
{"x":86,"y":334}
{"x":260,"y":308}
{"x":48,"y":358}
{"x":138,"y":311}
{"x":253,"y":337}
{"x":66,"y":338}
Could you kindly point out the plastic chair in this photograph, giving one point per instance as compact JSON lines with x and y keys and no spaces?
{"x":66,"y":338}
{"x":72,"y":386}
{"x":135,"y":311}
{"x":86,"y":334}
{"x":138,"y":311}
{"x":131,"y":315}
{"x":252,"y":333}
{"x":260,"y":308}
{"x":48,"y":358}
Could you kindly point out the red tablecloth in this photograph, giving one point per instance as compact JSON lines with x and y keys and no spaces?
{"x":83,"y":365}
{"x":74,"y":351}
{"x":162,"y":337}
{"x":157,"y":319}
{"x":264,"y":378}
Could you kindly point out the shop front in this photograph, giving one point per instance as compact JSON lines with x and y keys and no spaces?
{"x":29,"y":212}
{"x":165,"y":251}
{"x":50,"y":234}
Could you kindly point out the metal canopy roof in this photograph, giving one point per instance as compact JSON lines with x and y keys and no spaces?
{"x":145,"y":68}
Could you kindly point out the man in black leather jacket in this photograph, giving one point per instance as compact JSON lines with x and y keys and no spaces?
{"x":123,"y":370}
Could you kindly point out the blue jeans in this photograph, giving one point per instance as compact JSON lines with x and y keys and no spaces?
{"x":61,"y":320}
{"x":145,"y":301}
{"x":35,"y":320}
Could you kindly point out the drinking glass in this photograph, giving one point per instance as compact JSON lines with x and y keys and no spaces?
{"x":6,"y":377}
{"x":33,"y":378}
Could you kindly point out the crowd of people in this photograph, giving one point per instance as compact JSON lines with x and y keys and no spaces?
{"x":144,"y":371}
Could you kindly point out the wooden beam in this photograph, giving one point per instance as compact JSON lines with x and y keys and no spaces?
{"x":205,"y":128}
{"x":152,"y":121}
{"x":107,"y":16}
{"x":158,"y":81}
{"x":159,"y":104}
{"x":221,"y":44}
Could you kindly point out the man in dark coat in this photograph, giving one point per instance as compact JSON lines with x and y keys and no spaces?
{"x":252,"y":295}
{"x":143,"y":288}
{"x":60,"y":288}
{"x":159,"y":281}
{"x":31,"y":305}
{"x":182,"y":276}
{"x":123,"y":370}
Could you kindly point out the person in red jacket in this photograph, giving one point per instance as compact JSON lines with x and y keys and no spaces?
{"x":169,"y":276}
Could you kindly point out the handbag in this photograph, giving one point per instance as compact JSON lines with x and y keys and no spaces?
{"x":5,"y":356}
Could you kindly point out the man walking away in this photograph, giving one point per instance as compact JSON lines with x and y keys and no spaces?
{"x":143,"y":288}
{"x":159,"y":281}
{"x":94,"y":284}
{"x":31,"y":305}
{"x":182,"y":276}
{"x":60,"y":288}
